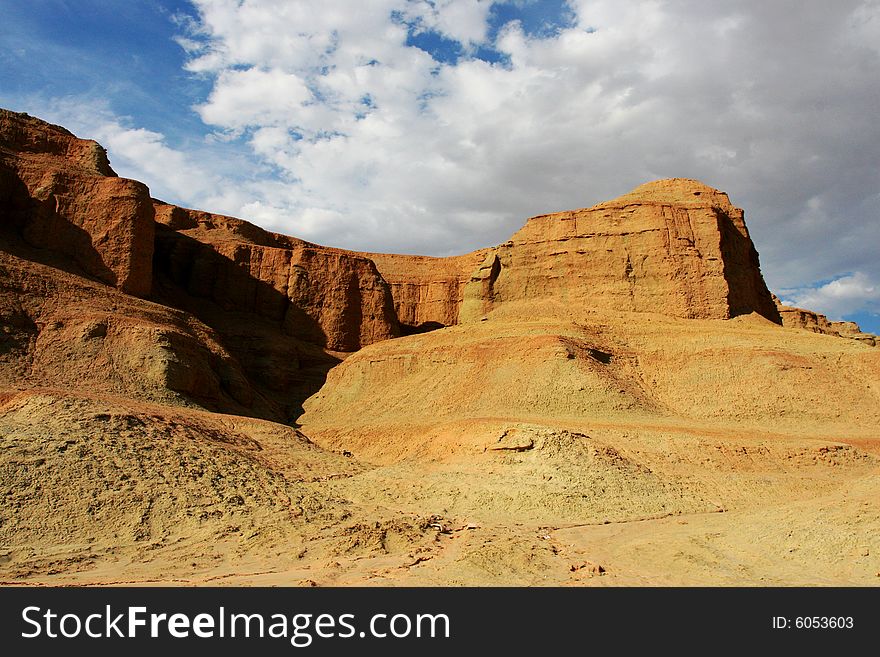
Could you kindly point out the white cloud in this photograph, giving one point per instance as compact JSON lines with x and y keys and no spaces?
{"x":358,"y":140}
{"x":464,"y":21}
{"x":254,"y":97}
{"x":145,"y":156}
{"x":843,"y":296}
{"x":400,"y":152}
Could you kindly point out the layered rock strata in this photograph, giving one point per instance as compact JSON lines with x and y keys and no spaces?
{"x":250,"y":319}
{"x":333,"y":298}
{"x":675,"y":247}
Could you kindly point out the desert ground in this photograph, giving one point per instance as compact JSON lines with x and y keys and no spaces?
{"x":611,"y":398}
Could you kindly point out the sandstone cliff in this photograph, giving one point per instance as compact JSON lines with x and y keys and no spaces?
{"x":428,"y":292}
{"x":675,"y":247}
{"x":268,"y":308}
{"x":817,"y":323}
{"x":59,"y":193}
{"x":260,"y":318}
{"x":329,"y":297}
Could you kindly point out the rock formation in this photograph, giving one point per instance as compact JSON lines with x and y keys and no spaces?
{"x":275,"y":310}
{"x":675,"y":247}
{"x":329,"y":297}
{"x":811,"y":321}
{"x":428,"y":292}
{"x":615,"y":363}
{"x":59,"y":193}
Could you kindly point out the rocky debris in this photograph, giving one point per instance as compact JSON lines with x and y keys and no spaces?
{"x":514,"y":440}
{"x":381,"y":536}
{"x":811,"y":321}
{"x":591,"y":569}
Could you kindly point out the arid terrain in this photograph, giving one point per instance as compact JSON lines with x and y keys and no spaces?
{"x":611,"y":397}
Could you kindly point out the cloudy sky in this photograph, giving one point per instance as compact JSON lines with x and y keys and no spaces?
{"x":438,"y":126}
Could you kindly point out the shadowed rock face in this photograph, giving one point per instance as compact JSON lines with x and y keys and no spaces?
{"x":328,"y":297}
{"x":59,"y":193}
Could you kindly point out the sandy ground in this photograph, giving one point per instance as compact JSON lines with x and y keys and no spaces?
{"x":572,"y":512}
{"x":660,"y":475}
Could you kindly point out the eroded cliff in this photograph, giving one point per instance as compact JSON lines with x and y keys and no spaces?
{"x":59,"y":193}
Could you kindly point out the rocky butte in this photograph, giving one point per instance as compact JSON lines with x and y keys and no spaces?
{"x":185,"y":396}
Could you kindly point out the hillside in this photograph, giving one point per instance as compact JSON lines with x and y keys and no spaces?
{"x":612,"y":396}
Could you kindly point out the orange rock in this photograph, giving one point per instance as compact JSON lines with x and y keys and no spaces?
{"x":428,"y":292}
{"x":675,"y":247}
{"x":329,"y":297}
{"x":60,"y":194}
{"x":280,"y":309}
{"x":812,"y":321}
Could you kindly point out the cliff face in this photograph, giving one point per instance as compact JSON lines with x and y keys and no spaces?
{"x":817,"y":323}
{"x":253,"y":319}
{"x":63,"y":214}
{"x":59,"y":193}
{"x":329,"y":297}
{"x":428,"y":292}
{"x":675,"y":247}
{"x":245,"y":318}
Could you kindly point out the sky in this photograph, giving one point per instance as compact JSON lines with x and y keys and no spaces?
{"x":438,"y":126}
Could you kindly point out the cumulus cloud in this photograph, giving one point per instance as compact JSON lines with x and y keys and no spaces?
{"x":438,"y":126}
{"x":843,"y":296}
{"x":386,"y":146}
{"x":254,"y":97}
{"x":464,"y":21}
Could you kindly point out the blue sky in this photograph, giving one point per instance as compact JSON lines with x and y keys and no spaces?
{"x":439,"y":126}
{"x":121,"y":51}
